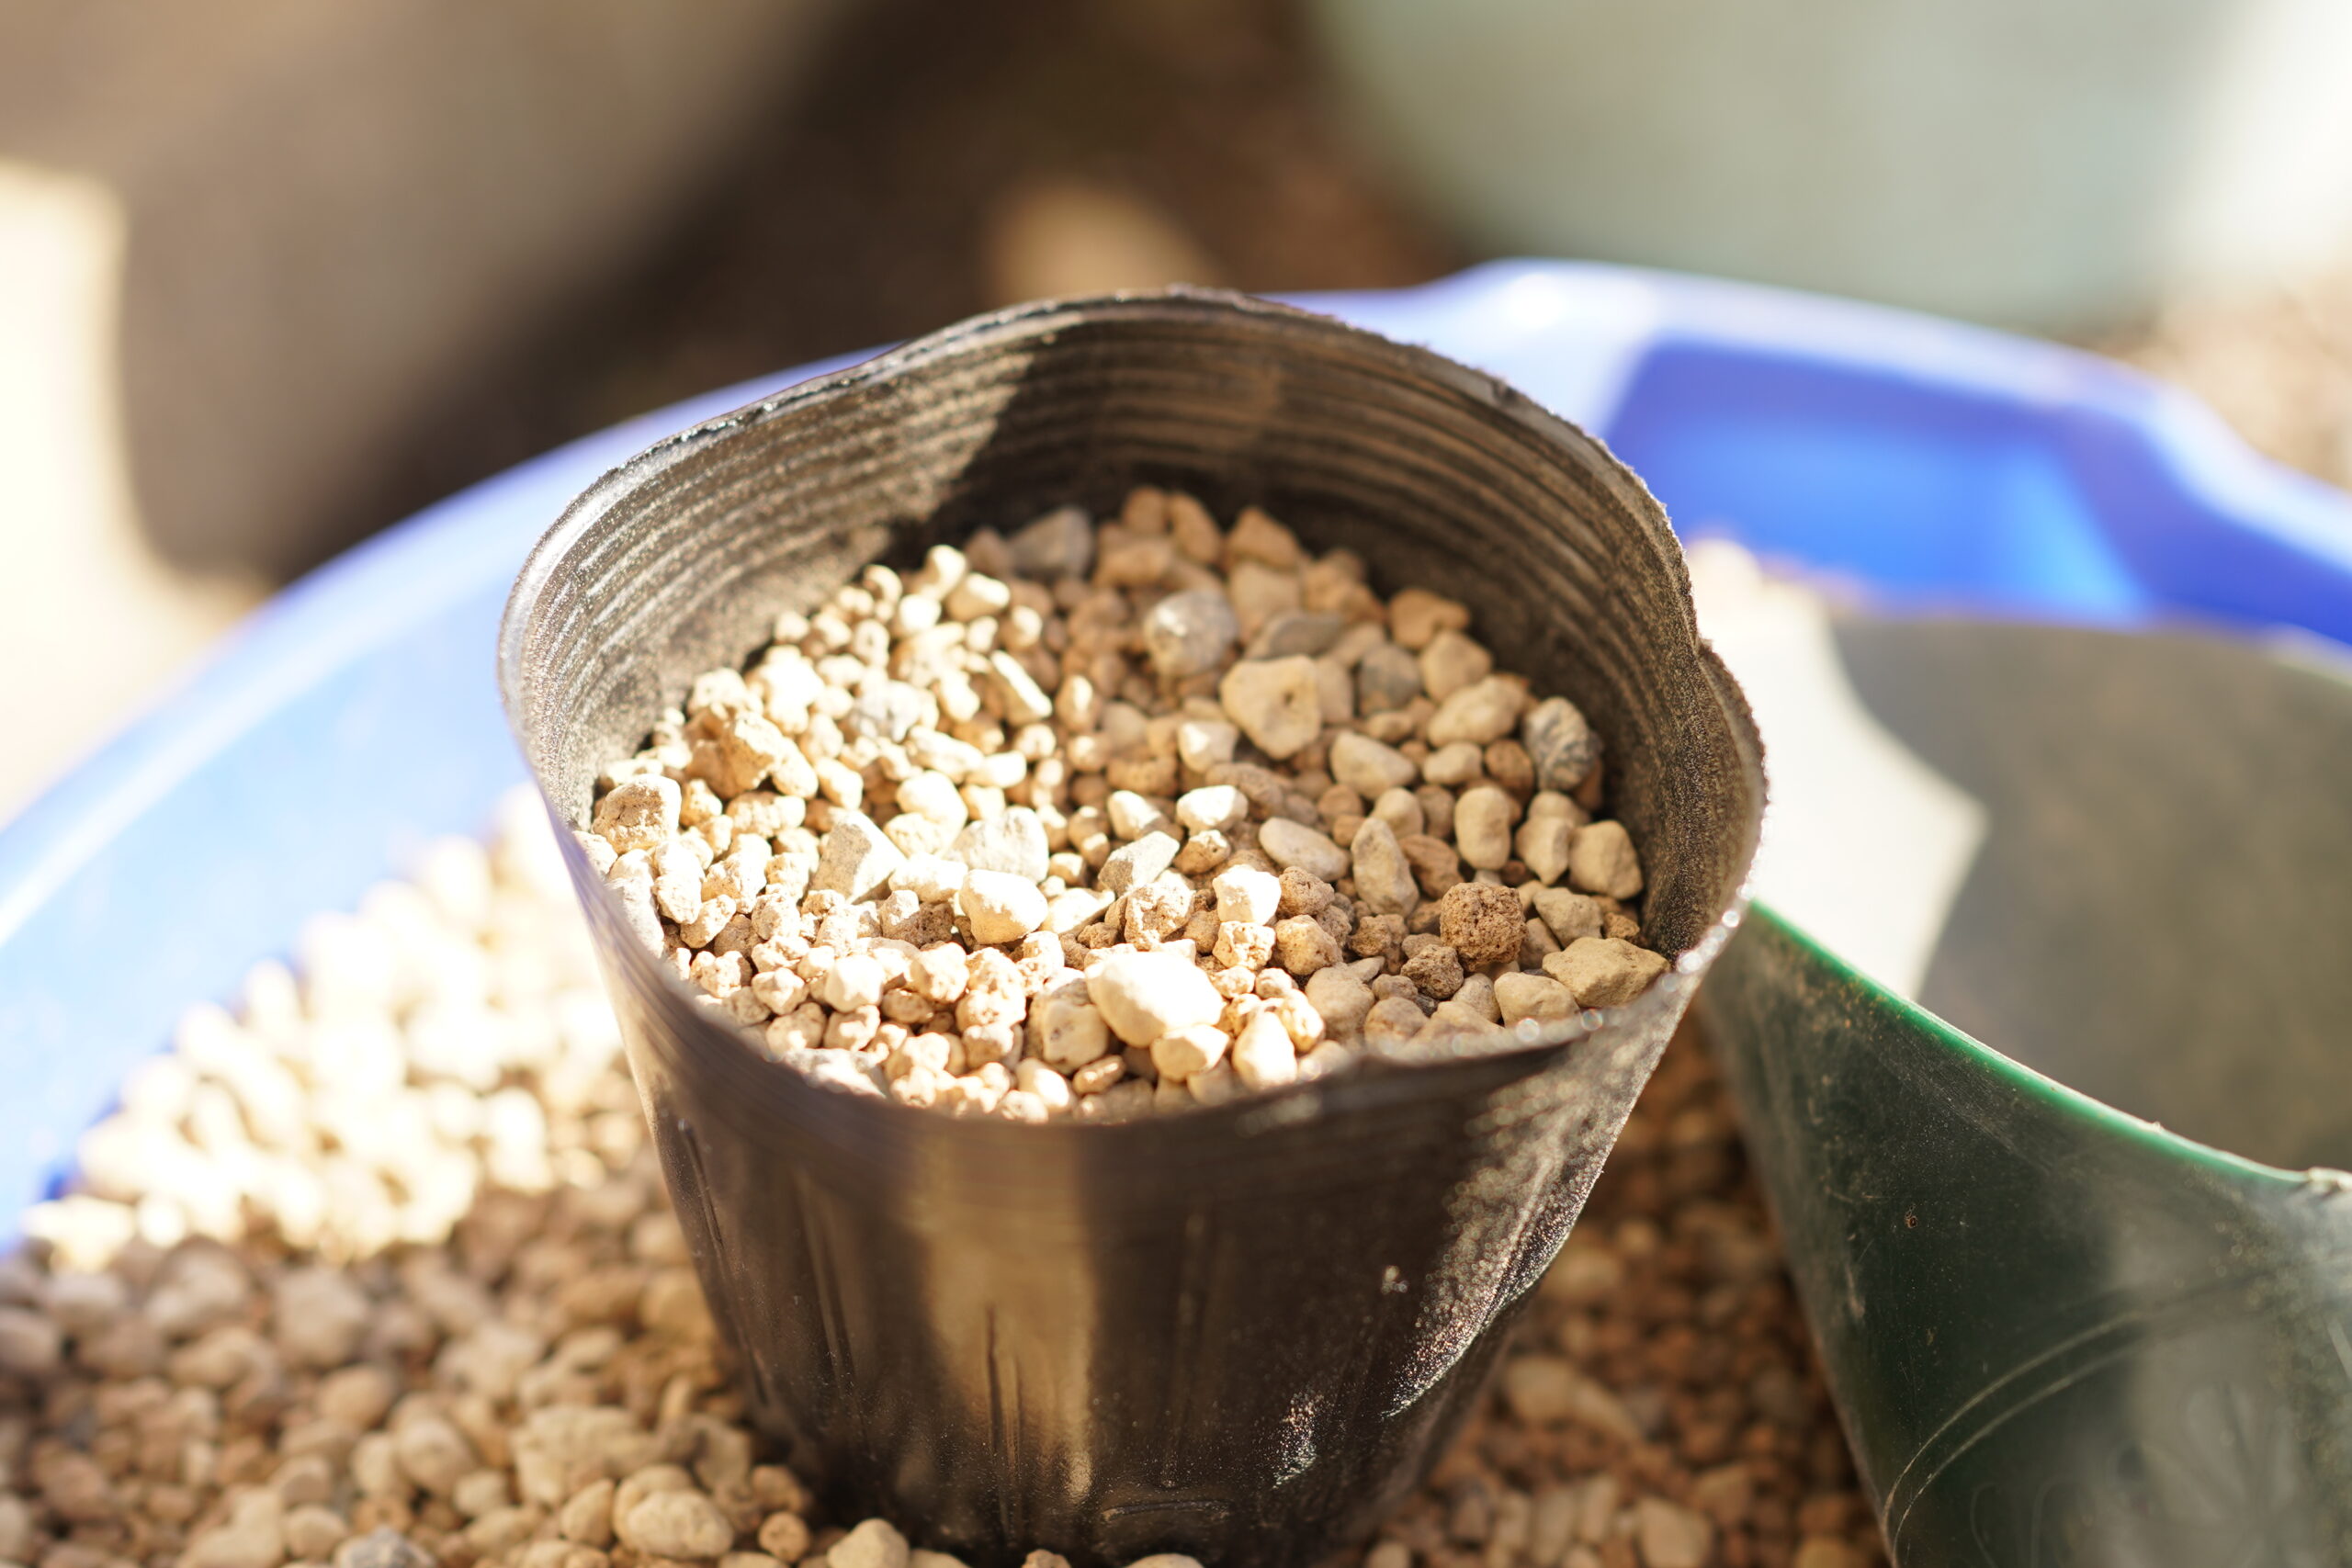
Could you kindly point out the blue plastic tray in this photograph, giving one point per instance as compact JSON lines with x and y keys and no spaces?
{"x":356,"y":716}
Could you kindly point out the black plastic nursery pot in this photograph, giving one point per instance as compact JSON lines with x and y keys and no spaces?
{"x":1239,"y":1332}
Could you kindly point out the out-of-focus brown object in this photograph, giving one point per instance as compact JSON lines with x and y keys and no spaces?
{"x":334,"y":212}
{"x":2277,"y":365}
{"x":865,"y":214}
{"x":1054,"y":238}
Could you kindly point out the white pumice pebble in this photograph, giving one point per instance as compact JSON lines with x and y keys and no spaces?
{"x":1002,"y":908}
{"x":1146,"y":995}
{"x":1185,"y":1053}
{"x":1247,"y":896}
{"x":1263,"y":1054}
{"x":1077,"y":788}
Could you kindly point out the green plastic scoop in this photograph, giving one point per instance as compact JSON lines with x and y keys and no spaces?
{"x":2058,"y":1332}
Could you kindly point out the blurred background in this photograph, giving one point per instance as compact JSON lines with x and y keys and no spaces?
{"x":275,"y":275}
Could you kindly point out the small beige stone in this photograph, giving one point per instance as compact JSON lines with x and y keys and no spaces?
{"x":312,"y":1532}
{"x":1339,"y":997}
{"x":1072,"y":1031}
{"x":1537,"y":997}
{"x":1401,"y":811}
{"x":678,"y":1523}
{"x":874,"y":1543}
{"x":1670,"y":1536}
{"x":1239,"y":945}
{"x":1024,"y":701}
{"x":1547,"y":1391}
{"x":434,"y":1454}
{"x":858,"y":980}
{"x":30,"y":1345}
{"x":1602,"y":859}
{"x":1543,"y":845}
{"x":1450,"y":661}
{"x":1569,"y":916}
{"x":252,"y":1535}
{"x":1480,"y":713}
{"x":934,"y":798}
{"x":975,"y":595}
{"x":1289,"y":843}
{"x":1048,"y":1088}
{"x":1263,"y":1057}
{"x":481,"y":1492}
{"x":1189,"y":633}
{"x":1604,"y":972}
{"x":1305,"y":946}
{"x":858,"y":859}
{"x":1478,"y":993}
{"x":940,"y":973}
{"x":640,"y":814}
{"x":741,"y":755}
{"x":1203,"y":744}
{"x":784,"y":1536}
{"x":318,"y":1316}
{"x":1131,"y":865}
{"x":1261,"y":594}
{"x":1451,"y":767}
{"x":1257,"y":537}
{"x":1277,"y":703}
{"x":932,"y":878}
{"x":356,"y":1397}
{"x":1416,"y":617}
{"x":1368,"y":767}
{"x":1131,"y":816}
{"x":1384,"y":877}
{"x":1482,"y":822}
{"x":586,"y":1515}
{"x":1182,"y":1053}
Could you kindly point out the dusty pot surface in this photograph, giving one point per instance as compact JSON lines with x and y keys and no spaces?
{"x":1237,"y":1332}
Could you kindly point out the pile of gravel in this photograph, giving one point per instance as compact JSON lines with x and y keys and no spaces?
{"x":1107,"y":819}
{"x":201,"y":1367}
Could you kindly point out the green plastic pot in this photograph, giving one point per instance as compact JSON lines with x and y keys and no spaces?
{"x":2059,"y":1333}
